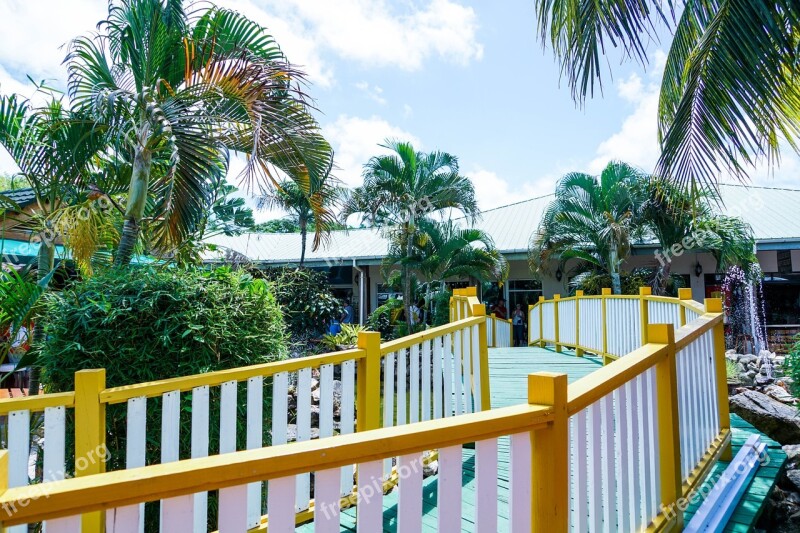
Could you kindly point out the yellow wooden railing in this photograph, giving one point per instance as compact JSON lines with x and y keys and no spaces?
{"x":551,"y":404}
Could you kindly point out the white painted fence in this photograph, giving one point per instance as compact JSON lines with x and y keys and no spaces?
{"x":500,"y":332}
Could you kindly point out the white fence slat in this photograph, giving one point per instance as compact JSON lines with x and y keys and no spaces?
{"x":177,"y":514}
{"x":402,"y":384}
{"x":347,"y":418}
{"x":476,"y":368}
{"x":437,"y":378}
{"x":370,"y":502}
{"x":72,"y":524}
{"x":280,"y":503}
{"x":447,"y":375}
{"x":634,"y":419}
{"x":466,"y":362}
{"x":228,"y":416}
{"x":280,"y":407}
{"x":19,"y":423}
{"x":233,"y":503}
{"x":426,"y":380}
{"x":595,"y":467}
{"x":409,"y":499}
{"x":519,"y":498}
{"x":200,"y":426}
{"x":255,"y":440}
{"x":608,"y":462}
{"x":303,"y":486}
{"x":135,"y":447}
{"x":581,"y":473}
{"x":458,"y":399}
{"x":326,"y":501}
{"x":326,"y":401}
{"x":54,"y":443}
{"x":449,"y":493}
{"x":623,"y":460}
{"x":173,"y":508}
{"x":120,"y":520}
{"x":388,"y":403}
{"x":413,"y":374}
{"x":645,"y":459}
{"x":486,"y":482}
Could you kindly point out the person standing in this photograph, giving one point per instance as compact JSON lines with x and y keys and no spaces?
{"x":518,"y":322}
{"x":347,"y":313}
{"x":500,"y":310}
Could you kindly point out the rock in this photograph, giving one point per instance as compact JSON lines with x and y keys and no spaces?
{"x":778,"y":421}
{"x":747,"y":359}
{"x":314,"y":384}
{"x":430,"y":469}
{"x":791,"y":480}
{"x":741,"y":368}
{"x":783,"y":513}
{"x":792,"y":452}
{"x":315,"y":394}
{"x":747,"y":377}
{"x":762,"y":380}
{"x":777,"y":392}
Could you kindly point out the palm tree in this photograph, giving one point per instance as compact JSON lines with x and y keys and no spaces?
{"x":178,"y":87}
{"x":729,"y":91}
{"x":404,"y":187}
{"x":592,"y":219}
{"x":306,"y":208}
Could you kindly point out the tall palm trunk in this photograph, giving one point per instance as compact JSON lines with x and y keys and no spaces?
{"x":45,"y":263}
{"x":303,"y":236}
{"x":665,"y":271}
{"x":134,"y":212}
{"x":407,"y":276}
{"x":616,"y":282}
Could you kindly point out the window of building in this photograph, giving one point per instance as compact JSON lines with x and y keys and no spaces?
{"x":524,"y":292}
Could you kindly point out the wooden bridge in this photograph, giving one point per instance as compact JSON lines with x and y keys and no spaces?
{"x":543,"y":438}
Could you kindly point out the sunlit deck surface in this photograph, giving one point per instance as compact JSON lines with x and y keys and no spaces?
{"x":508,"y":370}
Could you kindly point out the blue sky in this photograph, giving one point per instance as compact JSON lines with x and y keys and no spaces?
{"x":467,"y":77}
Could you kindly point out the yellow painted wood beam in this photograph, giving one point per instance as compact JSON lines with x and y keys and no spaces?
{"x":37,"y":403}
{"x":90,"y":436}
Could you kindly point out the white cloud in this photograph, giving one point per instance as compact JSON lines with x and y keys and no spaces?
{"x":356,"y":139}
{"x":407,"y":111}
{"x":373,"y":92}
{"x":493,"y":191}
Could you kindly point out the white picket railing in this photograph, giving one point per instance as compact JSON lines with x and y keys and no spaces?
{"x":500,"y":332}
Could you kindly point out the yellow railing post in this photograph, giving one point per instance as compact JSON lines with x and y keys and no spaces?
{"x":684,"y":293}
{"x":556,"y":298}
{"x":669,"y":444}
{"x":494,"y":329}
{"x":90,"y":435}
{"x":541,"y":325}
{"x":578,"y":351}
{"x":644,"y":311}
{"x":550,"y":456}
{"x":530,"y":329}
{"x":714,"y":305}
{"x":480,"y":310}
{"x":604,"y":293}
{"x":369,"y":382}
{"x":4,"y":485}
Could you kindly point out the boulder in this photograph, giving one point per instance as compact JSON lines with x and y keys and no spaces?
{"x":747,"y":359}
{"x":791,"y":480}
{"x":777,"y":420}
{"x":792,"y":452}
{"x":776,"y":392}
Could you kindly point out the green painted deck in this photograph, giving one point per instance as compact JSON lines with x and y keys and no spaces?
{"x":508,"y":370}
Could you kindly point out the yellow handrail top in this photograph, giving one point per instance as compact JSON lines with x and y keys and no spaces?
{"x":688,"y":304}
{"x":694,"y":329}
{"x":37,"y":403}
{"x":186,"y":383}
{"x":605,"y":380}
{"x":126,"y":487}
{"x":429,"y":334}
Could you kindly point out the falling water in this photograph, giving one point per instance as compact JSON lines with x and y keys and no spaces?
{"x":747,"y":306}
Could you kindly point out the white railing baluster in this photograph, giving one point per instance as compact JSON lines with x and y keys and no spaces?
{"x":486,"y":485}
{"x":347,"y":419}
{"x":326,"y":401}
{"x":519,"y":497}
{"x":581,"y":472}
{"x":135,"y":447}
{"x":426,"y":380}
{"x":623,"y":459}
{"x":200,"y":426}
{"x":255,"y":434}
{"x":457,"y":373}
{"x":402,"y":387}
{"x":634,"y":419}
{"x":447,"y":374}
{"x":54,"y":465}
{"x":370,"y":509}
{"x":280,"y":407}
{"x":413,"y":415}
{"x":476,"y":368}
{"x":281,"y":493}
{"x":466,"y":364}
{"x":610,"y":457}
{"x":326,"y":501}
{"x":177,"y":514}
{"x":409,"y":498}
{"x":19,"y":423}
{"x":388,"y":403}
{"x":437,"y":378}
{"x":595,"y":466}
{"x":303,"y":484}
{"x":449,"y":493}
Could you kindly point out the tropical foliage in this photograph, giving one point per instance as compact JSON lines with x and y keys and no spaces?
{"x":307,"y":209}
{"x":729,"y":94}
{"x":591,"y":220}
{"x":404,"y":188}
{"x":177,"y":87}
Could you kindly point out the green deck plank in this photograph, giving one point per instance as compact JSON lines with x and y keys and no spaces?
{"x":508,"y":370}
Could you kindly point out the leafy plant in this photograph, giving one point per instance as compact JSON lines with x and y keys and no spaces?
{"x":145,"y":324}
{"x":383,"y":319}
{"x":792,"y":364}
{"x":347,"y":337}
{"x":593,"y":282}
{"x":731,"y":371}
{"x":305,"y":297}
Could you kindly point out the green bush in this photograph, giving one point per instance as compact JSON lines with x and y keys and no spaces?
{"x":146,"y":324}
{"x":792,"y":365}
{"x":383,"y":319}
{"x":440,"y":302}
{"x":305,"y":297}
{"x":591,"y":283}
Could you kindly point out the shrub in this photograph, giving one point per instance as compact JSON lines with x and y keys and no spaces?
{"x":348,"y":337}
{"x":384,"y":318}
{"x":305,"y":297}
{"x":591,"y":283}
{"x":440,"y":302}
{"x":792,"y":364}
{"x":147,"y":324}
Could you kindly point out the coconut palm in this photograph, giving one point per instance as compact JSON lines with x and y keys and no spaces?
{"x":404,"y":187}
{"x":729,"y":92}
{"x":179,"y":86}
{"x":306,"y":208}
{"x":591,"y":220}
